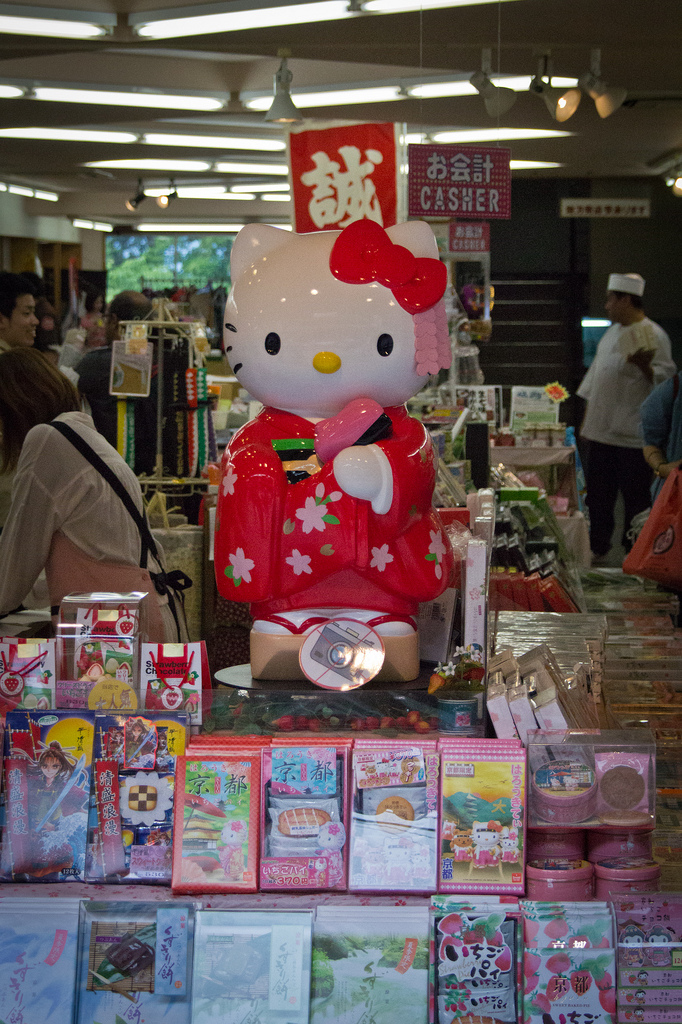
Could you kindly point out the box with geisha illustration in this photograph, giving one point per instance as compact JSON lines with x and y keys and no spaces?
{"x":131,"y":805}
{"x":47,"y":770}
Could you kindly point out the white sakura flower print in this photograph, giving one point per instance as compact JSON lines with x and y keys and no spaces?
{"x":229,"y":480}
{"x":312,"y":516}
{"x":298,"y":562}
{"x":436,"y":547}
{"x":240,"y":567}
{"x":380,"y":558}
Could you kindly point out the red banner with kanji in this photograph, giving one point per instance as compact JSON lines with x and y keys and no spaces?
{"x":342,"y":174}
{"x":107,"y":798}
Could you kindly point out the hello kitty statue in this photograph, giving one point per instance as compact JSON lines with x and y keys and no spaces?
{"x":325,"y":506}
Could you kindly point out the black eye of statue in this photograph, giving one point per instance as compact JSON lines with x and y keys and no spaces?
{"x":385,"y":345}
{"x":273,"y":343}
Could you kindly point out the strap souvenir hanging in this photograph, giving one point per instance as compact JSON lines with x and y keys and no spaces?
{"x":203,"y":417}
{"x":192,"y":421}
{"x":125,"y":430}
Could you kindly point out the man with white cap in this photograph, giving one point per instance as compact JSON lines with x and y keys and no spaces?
{"x":632,"y":357}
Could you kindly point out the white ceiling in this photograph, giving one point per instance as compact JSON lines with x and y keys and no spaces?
{"x":641,"y":50}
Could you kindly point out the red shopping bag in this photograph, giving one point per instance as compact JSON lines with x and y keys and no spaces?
{"x":657,"y":552}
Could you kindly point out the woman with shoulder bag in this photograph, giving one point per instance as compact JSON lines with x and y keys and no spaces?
{"x":77,"y":509}
{"x":662,"y":429}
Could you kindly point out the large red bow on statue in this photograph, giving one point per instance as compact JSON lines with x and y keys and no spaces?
{"x":363,"y":252}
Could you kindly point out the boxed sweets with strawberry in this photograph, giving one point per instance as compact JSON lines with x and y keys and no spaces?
{"x":304,"y":816}
{"x":131,"y":805}
{"x":97,"y":651}
{"x":173,"y":677}
{"x":569,"y":962}
{"x":217,"y":800}
{"x":474,"y":961}
{"x":649,"y":929}
{"x":27,"y":675}
{"x":394,"y":818}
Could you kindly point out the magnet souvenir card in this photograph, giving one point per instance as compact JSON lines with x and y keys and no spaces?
{"x":47,"y":786}
{"x":135,"y":962}
{"x":252,"y":966}
{"x":172,"y":677}
{"x":131,"y":815}
{"x":27,"y":675}
{"x":394,"y":817}
{"x":304,"y":817}
{"x":370,"y":964}
{"x":217,"y":802}
{"x":38,"y":944}
{"x":325,"y":503}
{"x":483,"y":801}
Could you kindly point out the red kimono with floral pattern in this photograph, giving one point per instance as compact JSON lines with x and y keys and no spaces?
{"x":284,"y":546}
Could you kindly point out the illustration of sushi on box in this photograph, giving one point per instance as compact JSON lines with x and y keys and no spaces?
{"x":47,"y":784}
{"x":216,"y":815}
{"x":482,"y":820}
{"x":131,"y":807}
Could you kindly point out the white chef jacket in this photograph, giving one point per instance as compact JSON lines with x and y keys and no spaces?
{"x":615,"y":389}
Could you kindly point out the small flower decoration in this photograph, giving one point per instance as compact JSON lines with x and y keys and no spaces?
{"x":314,"y":514}
{"x":380,"y":557}
{"x":240,"y":567}
{"x":298,"y":562}
{"x":229,"y":480}
{"x":556,"y":391}
{"x":436,"y":552}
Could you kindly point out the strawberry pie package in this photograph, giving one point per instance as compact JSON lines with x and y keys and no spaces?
{"x":304,"y":816}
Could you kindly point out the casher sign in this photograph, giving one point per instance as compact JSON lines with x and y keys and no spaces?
{"x":459,"y":181}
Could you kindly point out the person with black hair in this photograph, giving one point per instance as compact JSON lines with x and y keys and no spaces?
{"x":93,"y":321}
{"x":632,"y":357}
{"x":18,"y":320}
{"x":47,"y":338}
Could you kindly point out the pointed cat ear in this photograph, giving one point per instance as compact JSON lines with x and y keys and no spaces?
{"x":416,"y":236}
{"x":252,"y":243}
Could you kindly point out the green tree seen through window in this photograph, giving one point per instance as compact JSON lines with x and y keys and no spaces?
{"x":158,"y":261}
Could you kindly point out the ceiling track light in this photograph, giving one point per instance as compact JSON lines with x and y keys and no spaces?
{"x":139,"y":197}
{"x":497,"y":99}
{"x":167,"y":198}
{"x":561,"y":103}
{"x":607,"y":99}
{"x":282,"y":110}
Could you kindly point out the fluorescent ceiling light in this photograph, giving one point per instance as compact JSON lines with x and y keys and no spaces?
{"x":333,"y":97}
{"x":190,"y":229}
{"x":10,"y":92}
{"x":497,"y":134}
{"x":66,"y":135}
{"x":235,"y":21}
{"x":200,"y":192}
{"x":463,"y":87}
{"x":55,"y":27}
{"x":3,"y":187}
{"x":239,"y":168}
{"x":214,"y":142}
{"x":21,"y":190}
{"x":276,"y":198}
{"x":588,"y":322}
{"x":273,"y":186}
{"x":292,"y":14}
{"x":151,"y":165}
{"x":165,"y":101}
{"x":50,"y":197}
{"x":529,"y":165}
{"x":90,"y":225}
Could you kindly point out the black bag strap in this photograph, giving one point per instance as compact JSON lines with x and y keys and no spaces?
{"x":147,"y":541}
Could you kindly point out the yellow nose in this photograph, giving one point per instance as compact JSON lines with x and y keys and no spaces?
{"x":327,"y":362}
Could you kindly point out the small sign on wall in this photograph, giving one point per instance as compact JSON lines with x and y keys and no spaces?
{"x":467,"y":181}
{"x":605,"y":208}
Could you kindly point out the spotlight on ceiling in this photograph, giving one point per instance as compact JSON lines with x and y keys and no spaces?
{"x":497,"y":99}
{"x":607,"y":99}
{"x":676,"y":182}
{"x":139,"y":197}
{"x":561,"y":103}
{"x":282,"y":110}
{"x":168,"y":197}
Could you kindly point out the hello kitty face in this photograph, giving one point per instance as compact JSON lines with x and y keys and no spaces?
{"x":301,"y":340}
{"x":509,"y":843}
{"x":332,"y":836}
{"x":234,"y":833}
{"x":485,"y":835}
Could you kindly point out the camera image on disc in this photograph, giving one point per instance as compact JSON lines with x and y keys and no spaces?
{"x":342,"y":654}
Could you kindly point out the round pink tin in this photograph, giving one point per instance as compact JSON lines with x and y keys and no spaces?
{"x":625,"y":875}
{"x":605,"y":843}
{"x":564,"y":792}
{"x":559,"y":879}
{"x":556,"y":842}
